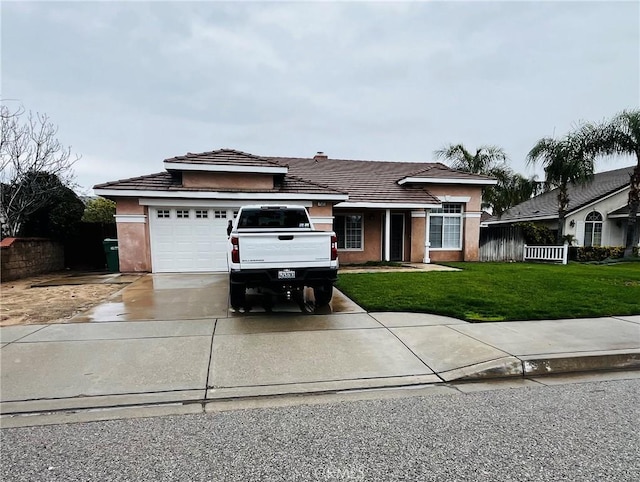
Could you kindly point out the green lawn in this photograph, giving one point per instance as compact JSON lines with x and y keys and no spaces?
{"x":502,"y":291}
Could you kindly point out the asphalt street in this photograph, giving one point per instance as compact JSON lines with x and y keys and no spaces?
{"x":575,"y":432}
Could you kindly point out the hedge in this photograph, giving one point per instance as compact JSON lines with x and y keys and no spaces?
{"x":600,"y":253}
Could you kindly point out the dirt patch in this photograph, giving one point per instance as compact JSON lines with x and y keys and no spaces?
{"x":22,"y":304}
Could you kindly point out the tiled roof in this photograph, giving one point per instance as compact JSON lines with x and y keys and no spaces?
{"x":371,"y":181}
{"x":223,"y":156}
{"x":165,"y":181}
{"x":546,"y":205}
{"x":159,"y":181}
{"x":438,"y":170}
{"x":363,"y":181}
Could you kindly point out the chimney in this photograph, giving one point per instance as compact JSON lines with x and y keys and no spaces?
{"x":320,"y":156}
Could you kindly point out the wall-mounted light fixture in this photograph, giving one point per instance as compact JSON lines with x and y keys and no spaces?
{"x":321,"y":204}
{"x":572,"y":223}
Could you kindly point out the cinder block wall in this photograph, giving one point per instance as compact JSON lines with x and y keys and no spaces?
{"x":23,"y":257}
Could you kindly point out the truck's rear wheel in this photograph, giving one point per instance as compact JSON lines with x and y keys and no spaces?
{"x":237,"y":296}
{"x":323,"y":294}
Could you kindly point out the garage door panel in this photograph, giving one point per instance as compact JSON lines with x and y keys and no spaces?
{"x":195,"y":241}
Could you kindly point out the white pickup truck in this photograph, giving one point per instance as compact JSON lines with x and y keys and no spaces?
{"x":276,"y":251}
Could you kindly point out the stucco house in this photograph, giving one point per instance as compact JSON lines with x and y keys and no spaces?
{"x":176,"y":220}
{"x":595,"y":216}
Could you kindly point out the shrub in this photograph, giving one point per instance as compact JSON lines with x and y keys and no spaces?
{"x":535,"y":235}
{"x":599,"y":253}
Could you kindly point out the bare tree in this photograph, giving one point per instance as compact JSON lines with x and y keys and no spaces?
{"x":30,"y":157}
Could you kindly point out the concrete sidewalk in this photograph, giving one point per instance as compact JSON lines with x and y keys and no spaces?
{"x":172,"y":343}
{"x":190,"y":362}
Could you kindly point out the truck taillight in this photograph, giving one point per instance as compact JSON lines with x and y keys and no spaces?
{"x":235,"y":250}
{"x":334,"y":247}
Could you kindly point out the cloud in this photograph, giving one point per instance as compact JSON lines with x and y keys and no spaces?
{"x":141,"y":82}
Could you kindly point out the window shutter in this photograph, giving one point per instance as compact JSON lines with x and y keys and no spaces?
{"x":580,"y":233}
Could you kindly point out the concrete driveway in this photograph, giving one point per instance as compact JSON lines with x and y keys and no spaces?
{"x":190,"y":297}
{"x":172,"y":339}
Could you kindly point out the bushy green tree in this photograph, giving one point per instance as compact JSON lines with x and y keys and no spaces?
{"x":535,"y":234}
{"x":100,"y":210}
{"x":61,"y":214}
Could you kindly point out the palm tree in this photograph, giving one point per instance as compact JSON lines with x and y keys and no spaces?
{"x":486,"y":160}
{"x":621,"y":136}
{"x":566,"y":161}
{"x":511,"y":189}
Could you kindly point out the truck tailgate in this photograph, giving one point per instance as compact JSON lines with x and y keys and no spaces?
{"x":284,"y":249}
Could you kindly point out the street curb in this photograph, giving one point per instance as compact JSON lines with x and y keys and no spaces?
{"x":540,"y":365}
{"x":547,"y":365}
{"x":505,"y":367}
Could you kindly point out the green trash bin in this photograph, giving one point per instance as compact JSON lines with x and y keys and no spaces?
{"x":111,"y":252}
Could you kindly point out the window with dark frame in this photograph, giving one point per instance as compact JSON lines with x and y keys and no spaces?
{"x":348,"y":229}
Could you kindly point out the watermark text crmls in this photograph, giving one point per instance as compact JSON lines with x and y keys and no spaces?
{"x":340,"y":472}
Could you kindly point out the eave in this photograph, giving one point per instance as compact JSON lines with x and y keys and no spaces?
{"x":236,"y":196}
{"x":444,"y":180}
{"x":190,"y":166}
{"x":522,"y":220}
{"x":387,"y":205}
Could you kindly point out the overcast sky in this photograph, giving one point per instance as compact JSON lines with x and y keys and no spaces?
{"x":130,"y":84}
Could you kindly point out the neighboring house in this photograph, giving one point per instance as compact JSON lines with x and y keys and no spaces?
{"x":595,"y":216}
{"x":176,"y":220}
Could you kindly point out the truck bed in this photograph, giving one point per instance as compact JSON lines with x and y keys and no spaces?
{"x":284,"y":249}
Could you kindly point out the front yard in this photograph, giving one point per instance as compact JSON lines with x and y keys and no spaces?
{"x":502,"y":291}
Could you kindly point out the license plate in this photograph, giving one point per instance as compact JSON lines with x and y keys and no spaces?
{"x":286,"y":274}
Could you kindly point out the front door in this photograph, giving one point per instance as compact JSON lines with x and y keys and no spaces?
{"x":397,"y":237}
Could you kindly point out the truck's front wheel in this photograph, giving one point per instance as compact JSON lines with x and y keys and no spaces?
{"x":237,"y":295}
{"x":323,"y":294}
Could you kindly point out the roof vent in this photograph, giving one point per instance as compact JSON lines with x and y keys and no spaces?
{"x":320,"y":156}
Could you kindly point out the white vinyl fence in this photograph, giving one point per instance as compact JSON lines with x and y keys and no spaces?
{"x":558,"y":254}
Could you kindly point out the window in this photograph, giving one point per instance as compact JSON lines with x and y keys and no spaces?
{"x":348,"y":228}
{"x":182,"y":213}
{"x":202,"y":214}
{"x":593,"y":229}
{"x":163,"y":213}
{"x":274,"y":217}
{"x":220,"y":214}
{"x":445,"y":227}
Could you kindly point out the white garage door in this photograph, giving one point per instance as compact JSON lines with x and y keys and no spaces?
{"x":188,"y":239}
